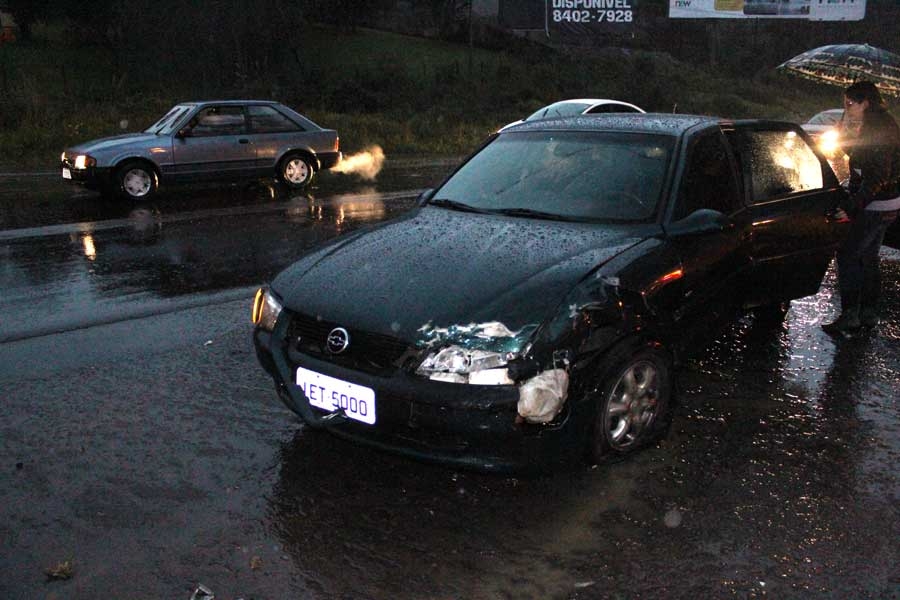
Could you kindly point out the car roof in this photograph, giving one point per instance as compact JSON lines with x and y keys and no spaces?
{"x":590,"y":101}
{"x":662,"y":123}
{"x":228,"y":102}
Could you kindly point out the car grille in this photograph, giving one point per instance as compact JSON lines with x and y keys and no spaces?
{"x":368,"y":352}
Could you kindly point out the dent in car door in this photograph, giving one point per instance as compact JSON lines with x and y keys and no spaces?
{"x":713,"y":263}
{"x":790,"y":194}
{"x":215,"y":145}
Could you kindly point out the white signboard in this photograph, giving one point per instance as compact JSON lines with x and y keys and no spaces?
{"x":811,"y":10}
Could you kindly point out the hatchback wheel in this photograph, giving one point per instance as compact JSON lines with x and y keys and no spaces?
{"x":295,"y":171}
{"x":137,"y":181}
{"x":633,"y":400}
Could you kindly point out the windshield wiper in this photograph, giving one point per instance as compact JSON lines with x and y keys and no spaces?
{"x":537,"y":214}
{"x":454,"y":205}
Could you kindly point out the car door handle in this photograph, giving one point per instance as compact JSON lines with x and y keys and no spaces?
{"x":243,"y":141}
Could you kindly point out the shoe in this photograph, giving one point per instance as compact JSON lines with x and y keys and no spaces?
{"x":844,"y":325}
{"x":868,"y":317}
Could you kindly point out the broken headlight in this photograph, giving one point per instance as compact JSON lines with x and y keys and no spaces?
{"x":463,"y":365}
{"x":474,"y":353}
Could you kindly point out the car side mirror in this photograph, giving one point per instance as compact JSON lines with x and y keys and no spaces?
{"x":699,"y":222}
{"x":183,"y":132}
{"x":424,"y":197}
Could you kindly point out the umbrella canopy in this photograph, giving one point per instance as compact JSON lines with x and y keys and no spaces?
{"x":843,"y":64}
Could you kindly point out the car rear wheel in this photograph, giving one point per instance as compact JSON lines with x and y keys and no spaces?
{"x":295,"y":171}
{"x":633,"y":397}
{"x":137,"y":180}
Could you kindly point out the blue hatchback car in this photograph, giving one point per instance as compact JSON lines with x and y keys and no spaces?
{"x":222,"y":140}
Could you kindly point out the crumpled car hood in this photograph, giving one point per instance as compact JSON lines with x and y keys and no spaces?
{"x":443,"y":268}
{"x":110,"y":143}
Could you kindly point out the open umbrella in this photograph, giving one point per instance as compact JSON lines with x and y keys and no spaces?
{"x":843,"y":64}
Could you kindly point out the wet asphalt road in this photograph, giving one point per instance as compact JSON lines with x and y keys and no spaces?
{"x":140,"y":442}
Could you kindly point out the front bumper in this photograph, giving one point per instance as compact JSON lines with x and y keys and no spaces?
{"x":471,"y":426}
{"x":94,"y":178}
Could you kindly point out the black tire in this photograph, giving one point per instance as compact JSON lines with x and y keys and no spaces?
{"x":633,"y":400}
{"x":295,"y":171}
{"x":136,"y":180}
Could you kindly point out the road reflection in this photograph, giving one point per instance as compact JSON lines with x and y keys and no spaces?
{"x":73,"y":273}
{"x":35,"y":201}
{"x":71,"y":257}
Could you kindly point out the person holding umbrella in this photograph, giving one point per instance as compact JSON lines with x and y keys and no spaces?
{"x":872,"y":205}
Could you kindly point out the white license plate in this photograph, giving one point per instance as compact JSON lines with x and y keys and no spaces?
{"x":328,"y":393}
{"x":67,"y":174}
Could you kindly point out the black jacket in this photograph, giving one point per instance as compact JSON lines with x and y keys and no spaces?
{"x":874,"y":161}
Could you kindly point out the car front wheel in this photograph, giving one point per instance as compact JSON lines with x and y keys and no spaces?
{"x":137,"y":181}
{"x":295,"y":171}
{"x":633,"y":399}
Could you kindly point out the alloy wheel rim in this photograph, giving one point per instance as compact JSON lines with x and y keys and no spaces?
{"x":296,"y":171}
{"x":633,"y":404}
{"x":137,"y":182}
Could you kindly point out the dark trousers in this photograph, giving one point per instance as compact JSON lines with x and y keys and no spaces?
{"x":859,"y":273}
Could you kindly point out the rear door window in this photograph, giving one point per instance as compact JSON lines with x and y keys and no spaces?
{"x":265,"y":119}
{"x":780,"y":163}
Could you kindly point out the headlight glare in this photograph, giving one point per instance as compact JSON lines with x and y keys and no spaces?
{"x":83,"y":161}
{"x":828,"y":142}
{"x":266,"y":309}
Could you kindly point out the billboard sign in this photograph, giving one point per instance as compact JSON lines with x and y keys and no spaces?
{"x":591,"y":14}
{"x":810,"y":10}
{"x":572,"y":19}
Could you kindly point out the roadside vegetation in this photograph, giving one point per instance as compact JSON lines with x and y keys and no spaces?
{"x":409,"y":95}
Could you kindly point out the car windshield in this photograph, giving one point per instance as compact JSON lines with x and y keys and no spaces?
{"x":579,"y":176}
{"x":169,"y":120}
{"x":560,"y":109}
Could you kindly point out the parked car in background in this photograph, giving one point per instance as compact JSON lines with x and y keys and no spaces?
{"x":533,"y":308}
{"x":825,"y":130}
{"x":222,"y":140}
{"x":579,"y":106}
